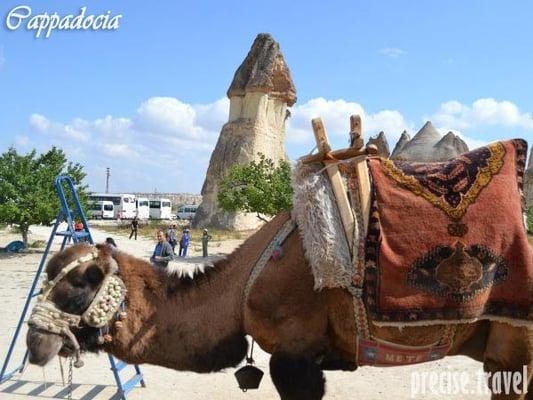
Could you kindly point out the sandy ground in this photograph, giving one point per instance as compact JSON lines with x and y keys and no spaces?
{"x":95,"y":380}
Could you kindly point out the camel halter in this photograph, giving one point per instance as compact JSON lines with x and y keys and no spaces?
{"x":47,"y":317}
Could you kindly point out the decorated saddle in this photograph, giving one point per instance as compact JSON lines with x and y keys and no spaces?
{"x":447,"y":242}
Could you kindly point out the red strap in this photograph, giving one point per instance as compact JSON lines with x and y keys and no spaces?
{"x":382,"y":354}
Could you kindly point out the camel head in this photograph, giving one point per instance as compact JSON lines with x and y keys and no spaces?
{"x":80,"y":297}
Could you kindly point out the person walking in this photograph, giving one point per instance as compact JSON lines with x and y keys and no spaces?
{"x":206,"y":237}
{"x":163,"y":251}
{"x":134,"y":227}
{"x":184,"y":243}
{"x":172,"y":238}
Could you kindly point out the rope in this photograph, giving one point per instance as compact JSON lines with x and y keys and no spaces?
{"x":69,"y":392}
{"x":280,"y":237}
{"x":61,"y":370}
{"x":328,"y":164}
{"x":250,"y":360}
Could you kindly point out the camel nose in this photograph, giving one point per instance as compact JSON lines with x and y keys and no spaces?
{"x":42,"y":346}
{"x":36,"y":359}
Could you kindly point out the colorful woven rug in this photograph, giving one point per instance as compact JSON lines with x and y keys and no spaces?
{"x":446,"y":240}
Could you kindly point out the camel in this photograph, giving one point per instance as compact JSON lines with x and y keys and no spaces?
{"x":200,"y":323}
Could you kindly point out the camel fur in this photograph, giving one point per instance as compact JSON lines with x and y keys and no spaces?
{"x":200,"y":324}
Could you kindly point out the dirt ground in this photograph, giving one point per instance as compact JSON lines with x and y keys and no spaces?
{"x":95,"y":380}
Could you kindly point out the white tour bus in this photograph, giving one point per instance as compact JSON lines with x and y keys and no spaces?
{"x":143,"y":208}
{"x":124,"y":203}
{"x":160,"y":209}
{"x":101,"y":210}
{"x":187,"y":211}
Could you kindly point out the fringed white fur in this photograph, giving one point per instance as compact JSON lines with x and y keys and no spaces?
{"x":190,"y":267}
{"x":320,"y":225}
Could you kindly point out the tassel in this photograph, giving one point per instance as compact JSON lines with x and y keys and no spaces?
{"x":78,"y":363}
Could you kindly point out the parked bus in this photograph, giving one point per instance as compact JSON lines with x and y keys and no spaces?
{"x":124,"y":204}
{"x":187,"y":211}
{"x":160,"y":209}
{"x":143,"y":208}
{"x":101,"y":210}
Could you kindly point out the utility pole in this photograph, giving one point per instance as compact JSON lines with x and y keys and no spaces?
{"x":107,"y":176}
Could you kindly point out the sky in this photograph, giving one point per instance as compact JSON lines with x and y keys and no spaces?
{"x":149,"y":99}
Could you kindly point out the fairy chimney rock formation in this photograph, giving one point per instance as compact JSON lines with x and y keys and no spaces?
{"x":380,"y":141}
{"x":404,"y":138}
{"x":259,"y":94}
{"x":429,"y":145}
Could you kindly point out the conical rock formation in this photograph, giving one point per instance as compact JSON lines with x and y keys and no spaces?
{"x":429,"y":145}
{"x":380,"y":141}
{"x":259,"y":94}
{"x":404,"y":139}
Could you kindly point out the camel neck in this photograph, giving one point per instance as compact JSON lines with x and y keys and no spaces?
{"x":183,"y":324}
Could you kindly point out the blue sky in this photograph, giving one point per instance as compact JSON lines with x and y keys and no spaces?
{"x":148,"y":100}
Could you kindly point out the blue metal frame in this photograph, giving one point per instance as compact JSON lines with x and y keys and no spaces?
{"x":68,"y":215}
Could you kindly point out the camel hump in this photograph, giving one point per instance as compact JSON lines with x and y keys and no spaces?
{"x":190,"y":267}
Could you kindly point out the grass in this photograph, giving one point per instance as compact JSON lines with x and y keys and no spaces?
{"x":530,"y":238}
{"x":38,"y":244}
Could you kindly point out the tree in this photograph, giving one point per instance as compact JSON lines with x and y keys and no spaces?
{"x":27,"y":192}
{"x":260,"y":187}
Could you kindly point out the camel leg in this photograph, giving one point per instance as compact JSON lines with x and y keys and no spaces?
{"x":296,"y":377}
{"x":509,"y":349}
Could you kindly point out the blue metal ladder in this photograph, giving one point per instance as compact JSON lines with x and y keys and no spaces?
{"x":70,"y":234}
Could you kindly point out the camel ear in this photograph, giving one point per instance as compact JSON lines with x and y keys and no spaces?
{"x":106,"y":260}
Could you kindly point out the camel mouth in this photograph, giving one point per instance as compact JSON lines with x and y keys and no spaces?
{"x":44,"y":346}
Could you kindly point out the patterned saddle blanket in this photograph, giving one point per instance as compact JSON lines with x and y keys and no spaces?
{"x":447,"y":242}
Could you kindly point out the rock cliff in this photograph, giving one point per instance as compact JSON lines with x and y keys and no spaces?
{"x":380,"y":141}
{"x":259,"y":94}
{"x":428,"y":145}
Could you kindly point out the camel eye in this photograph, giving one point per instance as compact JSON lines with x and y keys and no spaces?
{"x":78,"y":283}
{"x":94,"y":275}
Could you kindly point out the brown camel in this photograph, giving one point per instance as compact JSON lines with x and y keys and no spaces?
{"x":200,"y":324}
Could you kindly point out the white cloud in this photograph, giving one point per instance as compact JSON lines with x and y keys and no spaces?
{"x":118,"y":150}
{"x":481,"y":113}
{"x":164,"y":120}
{"x":78,"y":130}
{"x":336,"y":114}
{"x":392,"y":52}
{"x":110,"y":126}
{"x":212,"y":116}
{"x":165,"y":138}
{"x":168,"y":116}
{"x":166,"y":142}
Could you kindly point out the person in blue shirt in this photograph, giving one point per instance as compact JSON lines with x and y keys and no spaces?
{"x":184,"y":243}
{"x":163,"y":251}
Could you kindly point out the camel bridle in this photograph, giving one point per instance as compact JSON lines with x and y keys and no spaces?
{"x":106,"y":303}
